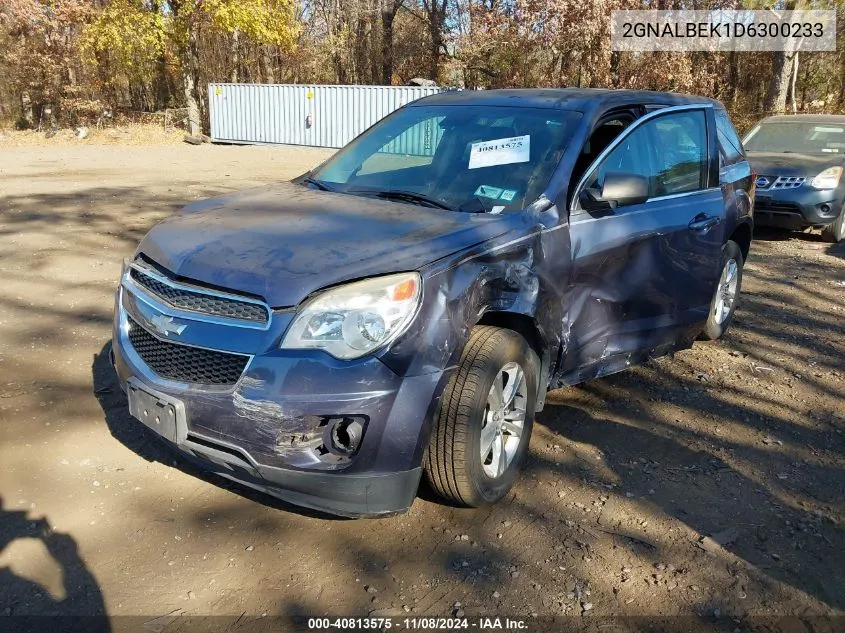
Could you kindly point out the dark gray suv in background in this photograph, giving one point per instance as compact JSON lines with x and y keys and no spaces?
{"x":799,"y":161}
{"x":404,"y":307}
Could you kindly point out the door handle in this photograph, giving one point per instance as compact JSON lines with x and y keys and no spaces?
{"x":703,"y":222}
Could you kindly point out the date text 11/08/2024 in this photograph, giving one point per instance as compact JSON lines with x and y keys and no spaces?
{"x":418,"y":624}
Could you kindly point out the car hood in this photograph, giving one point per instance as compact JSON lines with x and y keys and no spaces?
{"x":787,"y":164}
{"x":285,"y":241}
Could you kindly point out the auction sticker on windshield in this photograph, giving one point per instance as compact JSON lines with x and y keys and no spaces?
{"x":501,"y":151}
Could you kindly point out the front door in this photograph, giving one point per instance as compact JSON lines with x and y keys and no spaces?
{"x":644,"y":273}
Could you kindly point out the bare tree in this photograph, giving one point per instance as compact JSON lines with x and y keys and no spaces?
{"x":389,"y":9}
{"x":790,"y":98}
{"x":236,"y":55}
{"x":782,"y":62}
{"x":189,"y":64}
{"x":435,"y":11}
{"x":91,"y":55}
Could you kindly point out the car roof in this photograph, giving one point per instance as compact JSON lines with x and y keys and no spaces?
{"x":808,"y":118}
{"x":576,"y":99}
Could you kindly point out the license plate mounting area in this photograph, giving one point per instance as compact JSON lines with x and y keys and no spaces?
{"x":163,"y":414}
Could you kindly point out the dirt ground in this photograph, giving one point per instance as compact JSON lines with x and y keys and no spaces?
{"x":708,"y":484}
{"x":117,"y":135}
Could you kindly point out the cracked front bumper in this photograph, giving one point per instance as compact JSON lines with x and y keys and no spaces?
{"x":267,"y":430}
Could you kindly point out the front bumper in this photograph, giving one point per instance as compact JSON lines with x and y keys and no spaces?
{"x":269,"y":430}
{"x":797,"y":208}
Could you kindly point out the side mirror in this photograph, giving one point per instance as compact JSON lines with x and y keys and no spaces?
{"x":618,"y":190}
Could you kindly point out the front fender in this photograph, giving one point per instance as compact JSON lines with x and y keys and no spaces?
{"x":457,"y":292}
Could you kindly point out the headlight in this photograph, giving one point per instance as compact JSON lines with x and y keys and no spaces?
{"x":828,"y":179}
{"x":353,"y":320}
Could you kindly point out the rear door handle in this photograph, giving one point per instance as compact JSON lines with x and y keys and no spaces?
{"x":703,"y":222}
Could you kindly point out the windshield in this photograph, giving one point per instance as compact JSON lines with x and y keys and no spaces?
{"x":798,"y":137}
{"x":468,"y":158}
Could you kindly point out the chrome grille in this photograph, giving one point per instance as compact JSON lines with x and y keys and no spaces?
{"x":779,"y":182}
{"x":184,"y":362}
{"x":193,"y":301}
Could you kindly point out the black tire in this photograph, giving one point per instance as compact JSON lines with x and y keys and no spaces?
{"x":835,"y":232}
{"x":453,"y":464}
{"x":715,"y":328}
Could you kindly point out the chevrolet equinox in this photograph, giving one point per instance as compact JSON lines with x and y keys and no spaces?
{"x":401,"y":310}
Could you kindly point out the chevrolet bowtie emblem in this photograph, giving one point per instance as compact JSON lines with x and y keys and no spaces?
{"x":166,"y":325}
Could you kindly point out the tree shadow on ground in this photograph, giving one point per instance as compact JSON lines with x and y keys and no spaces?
{"x":664,"y":466}
{"x":705,"y":488}
{"x":837,"y":250}
{"x":700,"y":480}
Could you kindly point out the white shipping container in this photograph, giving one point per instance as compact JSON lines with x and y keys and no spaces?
{"x":311,"y":115}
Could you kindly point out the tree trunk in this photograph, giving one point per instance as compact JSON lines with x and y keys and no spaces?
{"x":805,"y":82}
{"x":436,"y":13}
{"x":189,"y":64}
{"x":360,"y":53}
{"x":614,"y":68}
{"x":161,"y":84}
{"x":27,"y":113}
{"x":733,"y":77}
{"x":388,"y":14}
{"x":779,"y":83}
{"x":267,"y":62}
{"x":842,"y":82}
{"x":436,"y":44}
{"x":781,"y":74}
{"x":236,"y":53}
{"x":791,"y":95}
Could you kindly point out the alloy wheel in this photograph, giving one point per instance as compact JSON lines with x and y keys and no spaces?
{"x":504,"y":420}
{"x":726,"y":291}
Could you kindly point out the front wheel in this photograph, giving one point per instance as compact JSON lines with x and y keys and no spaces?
{"x":835,"y":232}
{"x":481,"y":434}
{"x":723,"y":303}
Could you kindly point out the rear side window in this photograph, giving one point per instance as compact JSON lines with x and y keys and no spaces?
{"x":729,"y":143}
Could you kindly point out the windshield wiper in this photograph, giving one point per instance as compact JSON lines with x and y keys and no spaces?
{"x":317,"y":183}
{"x":407,"y":196}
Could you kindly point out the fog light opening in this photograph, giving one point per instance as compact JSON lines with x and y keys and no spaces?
{"x":825,"y":208}
{"x":346,"y":435}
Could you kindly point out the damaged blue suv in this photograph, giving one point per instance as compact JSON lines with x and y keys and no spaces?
{"x":402,"y":309}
